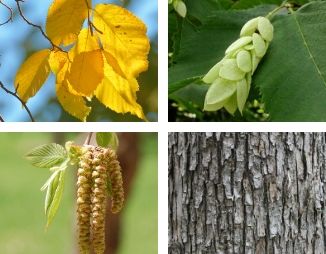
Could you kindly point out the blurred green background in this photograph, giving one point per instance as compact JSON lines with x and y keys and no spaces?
{"x":22,"y":218}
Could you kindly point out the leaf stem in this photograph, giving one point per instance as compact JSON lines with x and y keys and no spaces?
{"x":88,"y":138}
{"x":54,"y":46}
{"x":271,"y":14}
{"x":18,"y":98}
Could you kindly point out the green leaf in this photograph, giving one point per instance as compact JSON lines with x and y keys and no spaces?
{"x":107,"y":139}
{"x":245,"y":4}
{"x":292,"y":75}
{"x":51,"y":187}
{"x":56,"y":192}
{"x":47,"y":156}
{"x":201,"y":50}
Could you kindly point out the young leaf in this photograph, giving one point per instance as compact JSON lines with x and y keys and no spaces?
{"x":57,"y":194}
{"x":52,"y":185}
{"x":123,"y":36}
{"x":106,"y":139}
{"x":86,"y":72}
{"x":32,"y":74}
{"x":47,"y":156}
{"x":65,"y":19}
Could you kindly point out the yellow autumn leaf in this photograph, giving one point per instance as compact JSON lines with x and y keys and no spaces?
{"x":57,"y":59}
{"x":65,"y":19}
{"x":86,"y":72}
{"x":124,"y":37}
{"x":32,"y":74}
{"x":117,"y":93}
{"x":73,"y":104}
{"x":86,"y":42}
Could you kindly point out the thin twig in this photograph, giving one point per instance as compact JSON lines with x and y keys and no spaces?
{"x":18,"y":98}
{"x":90,"y":23}
{"x":36,"y":26}
{"x":88,"y":138}
{"x":1,"y":119}
{"x":10,"y":11}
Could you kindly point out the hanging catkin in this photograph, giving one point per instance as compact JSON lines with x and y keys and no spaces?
{"x":97,"y":167}
{"x":115,"y":176}
{"x":84,"y":184}
{"x":99,"y":196}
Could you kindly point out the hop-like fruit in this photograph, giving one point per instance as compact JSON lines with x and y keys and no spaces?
{"x":230,"y":78}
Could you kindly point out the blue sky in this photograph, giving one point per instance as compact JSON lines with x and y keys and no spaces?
{"x":12,"y":55}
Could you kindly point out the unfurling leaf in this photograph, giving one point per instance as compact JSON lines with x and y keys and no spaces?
{"x":123,"y":36}
{"x":56,"y":192}
{"x":52,"y":185}
{"x":32,"y":74}
{"x":65,"y":20}
{"x":47,"y":156}
{"x":107,"y":139}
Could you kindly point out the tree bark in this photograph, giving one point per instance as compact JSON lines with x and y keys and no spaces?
{"x":247,"y":193}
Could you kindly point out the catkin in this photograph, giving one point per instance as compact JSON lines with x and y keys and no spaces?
{"x":115,"y":176}
{"x":84,"y":200}
{"x":99,"y":195}
{"x":97,"y":167}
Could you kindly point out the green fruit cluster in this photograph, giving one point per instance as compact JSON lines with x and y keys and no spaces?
{"x":231,"y":77}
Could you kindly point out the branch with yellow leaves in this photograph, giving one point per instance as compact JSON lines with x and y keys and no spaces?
{"x":10,"y":13}
{"x":36,"y":26}
{"x":18,"y":98}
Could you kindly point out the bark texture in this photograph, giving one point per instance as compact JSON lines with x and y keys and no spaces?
{"x":247,"y":193}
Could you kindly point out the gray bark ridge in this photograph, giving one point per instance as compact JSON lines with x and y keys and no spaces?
{"x":247,"y":193}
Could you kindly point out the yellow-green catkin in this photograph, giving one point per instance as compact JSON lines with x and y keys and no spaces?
{"x":115,"y":176}
{"x":84,"y":190}
{"x":99,"y":197}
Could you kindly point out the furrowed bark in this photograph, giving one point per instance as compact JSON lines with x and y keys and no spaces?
{"x":247,"y":193}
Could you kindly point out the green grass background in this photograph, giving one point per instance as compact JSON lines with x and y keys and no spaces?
{"x":22,"y":218}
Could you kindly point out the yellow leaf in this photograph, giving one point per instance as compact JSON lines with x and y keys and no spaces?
{"x":32,"y":74}
{"x":112,"y":98}
{"x":118,"y":93}
{"x":73,"y":104}
{"x":86,"y":72}
{"x":123,"y":36}
{"x":86,"y":42}
{"x":65,"y":19}
{"x":57,"y":59}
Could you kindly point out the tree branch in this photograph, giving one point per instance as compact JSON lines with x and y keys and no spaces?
{"x":88,"y":138}
{"x":10,"y":12}
{"x":90,"y":23}
{"x":18,"y":98}
{"x":1,"y":119}
{"x":36,"y":26}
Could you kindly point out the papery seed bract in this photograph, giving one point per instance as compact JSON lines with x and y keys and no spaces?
{"x":248,"y":78}
{"x":180,"y":8}
{"x":242,"y":94}
{"x":213,"y":73}
{"x":244,"y":61}
{"x":255,"y":61}
{"x":265,"y":28}
{"x":219,"y":91}
{"x":238,"y":44}
{"x":259,"y":45}
{"x":230,"y":70}
{"x":231,"y":104}
{"x":249,"y":28}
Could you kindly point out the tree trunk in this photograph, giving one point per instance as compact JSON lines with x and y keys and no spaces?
{"x":247,"y":193}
